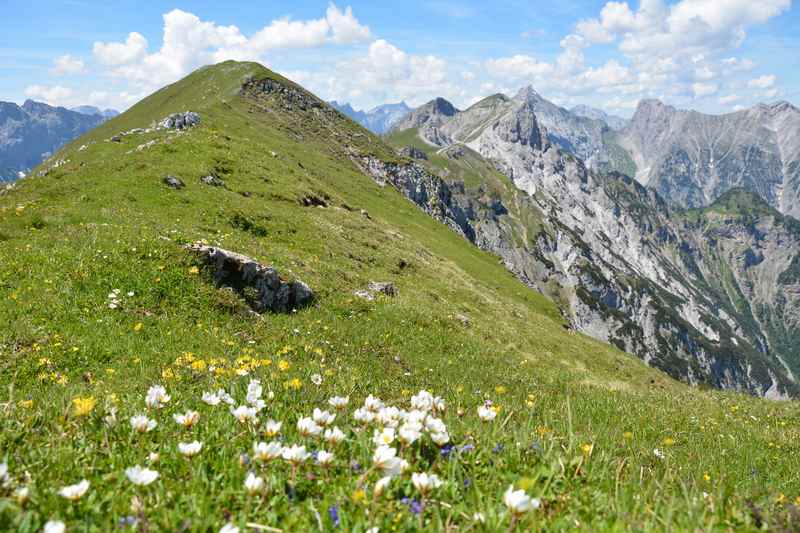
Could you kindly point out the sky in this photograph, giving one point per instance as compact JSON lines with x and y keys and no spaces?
{"x":715,"y":56}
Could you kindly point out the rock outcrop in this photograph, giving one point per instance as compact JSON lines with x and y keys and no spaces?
{"x":261,"y":285}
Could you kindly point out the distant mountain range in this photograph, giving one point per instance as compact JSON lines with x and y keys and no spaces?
{"x":32,"y":132}
{"x":379,"y":119}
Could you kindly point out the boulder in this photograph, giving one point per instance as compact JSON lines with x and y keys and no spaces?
{"x":213,"y":181}
{"x":262,"y":285}
{"x":173,"y":182}
{"x":386,"y":288}
{"x":180,"y":121}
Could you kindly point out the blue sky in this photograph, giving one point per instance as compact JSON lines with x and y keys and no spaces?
{"x":711,"y":55}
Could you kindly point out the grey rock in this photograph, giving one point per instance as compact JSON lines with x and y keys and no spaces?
{"x":613,"y":122}
{"x":180,"y":121}
{"x":212,"y":181}
{"x":413,"y":152}
{"x":387,"y":288}
{"x":244,"y":274}
{"x":173,"y":182}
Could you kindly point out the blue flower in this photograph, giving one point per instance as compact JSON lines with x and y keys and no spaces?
{"x":333,"y":511}
{"x":446,"y":450}
{"x":499,"y":448}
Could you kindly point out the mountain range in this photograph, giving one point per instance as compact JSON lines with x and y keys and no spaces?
{"x":379,"y":119}
{"x":710,"y":295}
{"x":32,"y":132}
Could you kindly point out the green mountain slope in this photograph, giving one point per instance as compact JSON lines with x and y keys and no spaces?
{"x":605,"y":442}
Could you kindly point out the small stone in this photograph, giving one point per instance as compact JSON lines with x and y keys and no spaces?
{"x":212,"y":181}
{"x":173,"y":182}
{"x":384,"y":287}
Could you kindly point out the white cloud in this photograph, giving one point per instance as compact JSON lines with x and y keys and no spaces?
{"x":189,"y":42}
{"x":739,"y":65}
{"x":518,"y":67}
{"x":68,"y":65}
{"x":729,"y":99}
{"x":55,"y":95}
{"x":704,"y":89}
{"x":764,"y":82}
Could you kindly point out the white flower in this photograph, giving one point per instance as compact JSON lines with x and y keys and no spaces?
{"x":308,"y":428}
{"x":658,"y":453}
{"x":338,"y":402}
{"x":111,"y":418}
{"x":21,"y":494}
{"x":211,"y":398}
{"x":316,"y":379}
{"x":267,"y":452}
{"x":384,"y":437}
{"x":253,"y":483}
{"x":244,"y":414}
{"x":3,"y":472}
{"x":323,"y":418}
{"x":380,"y":485}
{"x":54,"y":526}
{"x":373,"y":404}
{"x":363,"y":415}
{"x":74,"y":492}
{"x":440,"y":438}
{"x":334,"y":435}
{"x":273,"y":428}
{"x":142,"y":424}
{"x":414,"y":417}
{"x":487,"y":414}
{"x":229,"y":528}
{"x":254,"y":391}
{"x":131,"y":294}
{"x":374,"y":529}
{"x":324,"y":458}
{"x":435,"y":425}
{"x":389,"y":417}
{"x":296,"y":454}
{"x":422,"y":401}
{"x":190,"y":449}
{"x":424,"y":482}
{"x":479,"y":517}
{"x":409,"y":433}
{"x":385,"y":459}
{"x":141,"y":476}
{"x":152,"y":457}
{"x":156,"y":397}
{"x":439,"y":404}
{"x":518,"y":502}
{"x":188,"y":419}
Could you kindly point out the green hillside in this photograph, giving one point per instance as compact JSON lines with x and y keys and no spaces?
{"x":603,"y":441}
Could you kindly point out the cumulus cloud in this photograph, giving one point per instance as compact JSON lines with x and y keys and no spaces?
{"x":68,"y":65}
{"x":189,"y":42}
{"x":729,"y":99}
{"x":518,"y":67}
{"x":55,"y":95}
{"x":701,"y":90}
{"x":764,"y":82}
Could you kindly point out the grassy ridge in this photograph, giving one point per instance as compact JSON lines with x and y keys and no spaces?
{"x":578,"y":420}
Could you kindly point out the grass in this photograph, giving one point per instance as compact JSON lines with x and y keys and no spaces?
{"x":578,"y":423}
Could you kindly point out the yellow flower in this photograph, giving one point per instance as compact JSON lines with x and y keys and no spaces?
{"x":44,"y":361}
{"x":138,"y":326}
{"x":669,"y":441}
{"x":83,"y":406}
{"x":706,"y":477}
{"x":194,"y":270}
{"x":61,"y":379}
{"x":110,"y":371}
{"x":284,"y":365}
{"x":781,"y":499}
{"x":168,"y":374}
{"x":265,"y":362}
{"x":587,"y":449}
{"x":500,"y":389}
{"x":199,"y":365}
{"x":628,"y":435}
{"x":27,"y":404}
{"x":358,"y":496}
{"x":295,"y":383}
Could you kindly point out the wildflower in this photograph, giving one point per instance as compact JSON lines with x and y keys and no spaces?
{"x":424,"y":482}
{"x":324,"y":458}
{"x":338,"y":402}
{"x":211,"y":398}
{"x":254,"y":391}
{"x":587,"y":449}
{"x":21,"y":495}
{"x":422,"y":401}
{"x":409,"y":433}
{"x":152,"y":457}
{"x":518,"y":502}
{"x":295,"y":455}
{"x":439,"y":405}
{"x":229,"y":528}
{"x":334,"y":435}
{"x":384,"y":437}
{"x":669,"y":441}
{"x":54,"y":526}
{"x":373,"y":404}
{"x":190,"y":449}
{"x":658,"y":453}
{"x":294,"y":383}
{"x":141,"y":476}
{"x":333,"y":512}
{"x":479,"y":517}
{"x":316,"y":379}
{"x":308,"y":428}
{"x":194,"y":270}
{"x":142,"y":424}
{"x":267,"y":452}
{"x":245,"y":414}
{"x":83,"y":406}
{"x":385,"y":459}
{"x":487,"y":414}
{"x":156,"y":397}
{"x":363,"y":415}
{"x":381,"y":485}
{"x":389,"y":416}
{"x":187,"y":420}
{"x":273,"y":428}
{"x":440,"y":438}
{"x":323,"y":418}
{"x":283,"y":365}
{"x":446,"y":450}
{"x":253,"y":484}
{"x":74,"y":492}
{"x":111,"y":418}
